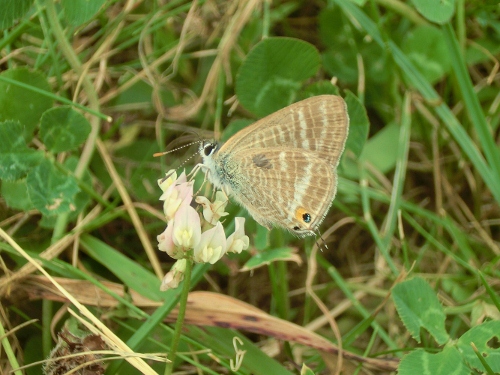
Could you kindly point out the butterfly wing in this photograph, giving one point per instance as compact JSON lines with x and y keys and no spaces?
{"x":318,"y":124}
{"x":287,"y":187}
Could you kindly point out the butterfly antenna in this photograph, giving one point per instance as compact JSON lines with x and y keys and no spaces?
{"x":185,"y":161}
{"x":196,"y":168}
{"x":156,"y":154}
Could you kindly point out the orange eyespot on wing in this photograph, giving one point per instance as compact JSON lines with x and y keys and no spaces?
{"x":302,"y":215}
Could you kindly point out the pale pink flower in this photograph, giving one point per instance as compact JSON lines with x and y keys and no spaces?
{"x":174,"y":276}
{"x":238,"y":241}
{"x":212,"y":245}
{"x":165,"y":241}
{"x":176,"y":191}
{"x":169,"y":179}
{"x":186,"y":231}
{"x":183,"y":232}
{"x":212,"y":212}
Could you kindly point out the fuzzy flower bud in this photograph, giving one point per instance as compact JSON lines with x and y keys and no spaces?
{"x":238,"y":241}
{"x":174,"y":276}
{"x":212,"y":212}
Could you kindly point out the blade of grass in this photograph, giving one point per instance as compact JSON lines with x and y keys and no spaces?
{"x":11,"y":356}
{"x":372,"y":226}
{"x":399,"y":175}
{"x":494,"y":297}
{"x":56,"y":97}
{"x":471,"y":100}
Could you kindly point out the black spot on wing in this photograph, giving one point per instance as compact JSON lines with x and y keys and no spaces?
{"x":261,"y":161}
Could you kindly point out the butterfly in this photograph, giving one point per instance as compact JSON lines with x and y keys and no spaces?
{"x":283,"y":168}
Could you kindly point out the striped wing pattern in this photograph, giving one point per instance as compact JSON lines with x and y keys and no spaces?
{"x":282,"y":169}
{"x":274,"y":196}
{"x":318,"y":124}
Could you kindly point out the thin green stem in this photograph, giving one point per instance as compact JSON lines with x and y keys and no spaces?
{"x":405,"y":10}
{"x":399,"y":175}
{"x":5,"y":345}
{"x":266,"y":20}
{"x":155,"y":320}
{"x":47,"y":307}
{"x":219,"y":104}
{"x":281,"y":290}
{"x":55,"y":97}
{"x":460,"y":25}
{"x":278,"y":276}
{"x":372,"y":227}
{"x":180,"y":317}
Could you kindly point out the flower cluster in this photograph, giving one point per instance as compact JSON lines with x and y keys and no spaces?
{"x":183,"y":238}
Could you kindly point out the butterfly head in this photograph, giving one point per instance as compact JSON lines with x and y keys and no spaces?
{"x":208,"y":151}
{"x":208,"y":148}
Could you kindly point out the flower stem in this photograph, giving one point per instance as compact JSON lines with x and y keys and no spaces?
{"x":180,"y":317}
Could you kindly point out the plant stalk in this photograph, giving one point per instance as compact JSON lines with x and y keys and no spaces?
{"x":180,"y":317}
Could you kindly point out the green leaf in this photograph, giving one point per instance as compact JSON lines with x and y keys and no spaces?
{"x":481,"y":51}
{"x":267,"y":257}
{"x":340,"y":57}
{"x":457,"y":289}
{"x":63,"y":129}
{"x":16,"y":195}
{"x":486,"y":338}
{"x":319,"y":88}
{"x":341,"y":64}
{"x":272,"y":73}
{"x":439,"y":11}
{"x":33,"y":354}
{"x":79,"y":202}
{"x":16,"y":158}
{"x":449,"y":361}
{"x":332,"y":28}
{"x":12,"y":10}
{"x":418,"y":307}
{"x":306,"y":370}
{"x":386,"y":140}
{"x":21,"y":104}
{"x":426,"y":48}
{"x":261,"y":237}
{"x":81,"y":198}
{"x":78,"y":12}
{"x":51,"y":191}
{"x":379,"y":70}
{"x":345,"y":46}
{"x":359,"y":124}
